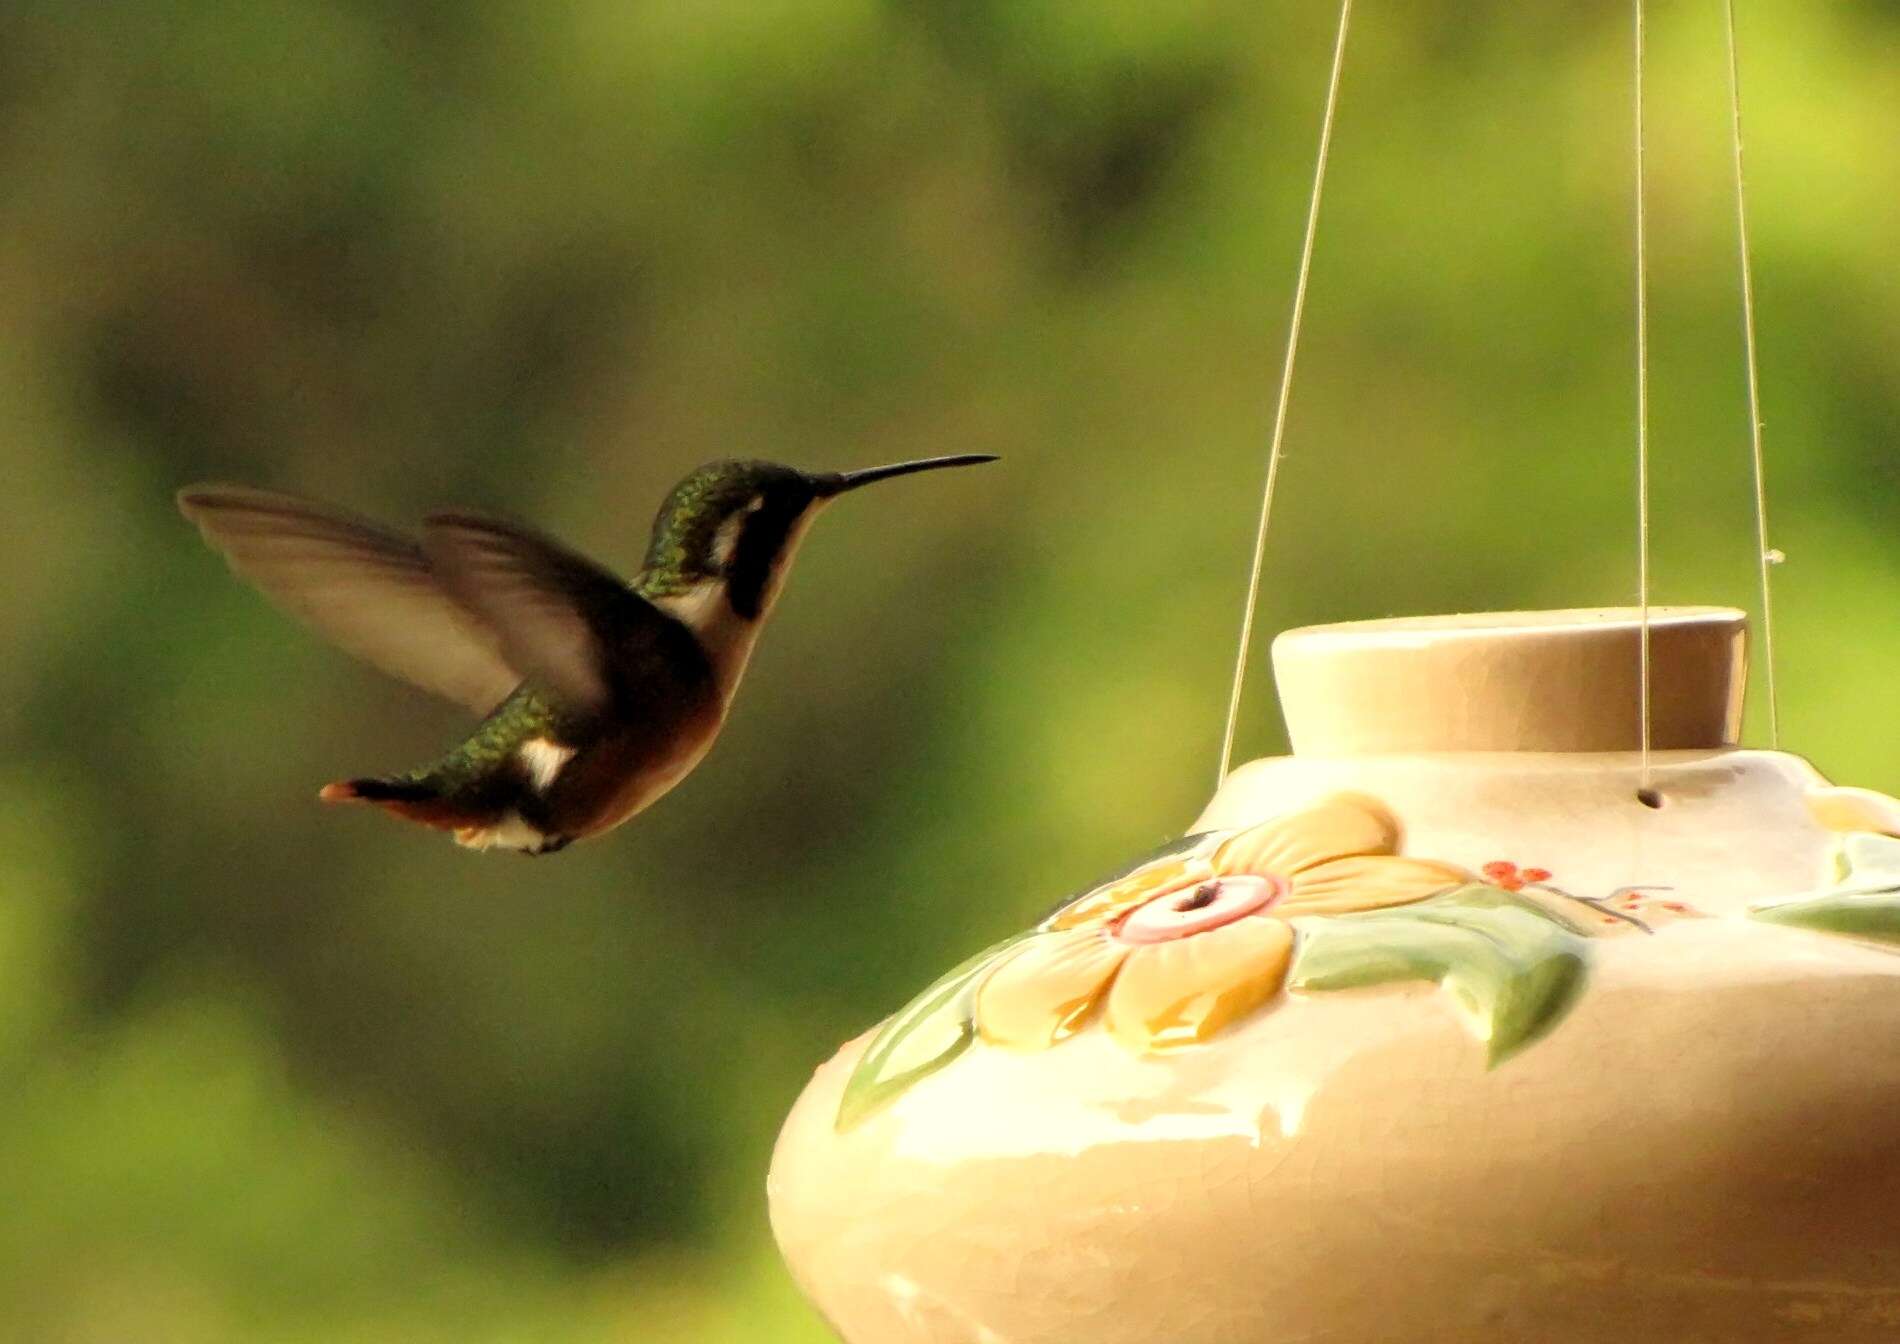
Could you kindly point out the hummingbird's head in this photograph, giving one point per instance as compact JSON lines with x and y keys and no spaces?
{"x":730,"y":529}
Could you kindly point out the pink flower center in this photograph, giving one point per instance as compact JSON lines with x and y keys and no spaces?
{"x":1186,"y":911}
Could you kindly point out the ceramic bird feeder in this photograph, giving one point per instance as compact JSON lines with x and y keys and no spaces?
{"x":1433,"y":1030}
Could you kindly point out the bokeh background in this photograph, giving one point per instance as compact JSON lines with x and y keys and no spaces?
{"x":275,"y":1073}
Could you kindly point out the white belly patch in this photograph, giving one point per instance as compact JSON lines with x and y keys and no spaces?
{"x":511,"y":832}
{"x":543,"y":760}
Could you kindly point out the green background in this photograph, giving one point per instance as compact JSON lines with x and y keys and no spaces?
{"x":270,"y":1072}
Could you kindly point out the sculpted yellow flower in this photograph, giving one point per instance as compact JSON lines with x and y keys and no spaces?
{"x":1188,"y":943}
{"x":1843,"y":809}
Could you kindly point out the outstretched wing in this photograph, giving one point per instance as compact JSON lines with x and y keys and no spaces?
{"x":369,"y":590}
{"x":561,"y":617}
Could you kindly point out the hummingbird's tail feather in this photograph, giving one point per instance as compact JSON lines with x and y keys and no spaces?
{"x":376,"y":791}
{"x":412,"y":800}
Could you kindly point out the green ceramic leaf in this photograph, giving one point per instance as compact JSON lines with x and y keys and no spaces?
{"x":926,"y":1034}
{"x":1865,"y":903}
{"x":1873,"y":916}
{"x":1513,"y":971}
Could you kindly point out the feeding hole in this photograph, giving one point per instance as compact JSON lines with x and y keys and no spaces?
{"x":1650,"y":798}
{"x":1200,"y":898}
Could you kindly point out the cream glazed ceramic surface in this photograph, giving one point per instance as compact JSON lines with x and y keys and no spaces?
{"x":1433,"y":1045}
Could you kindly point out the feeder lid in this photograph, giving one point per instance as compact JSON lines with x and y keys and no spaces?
{"x":1514,"y":681}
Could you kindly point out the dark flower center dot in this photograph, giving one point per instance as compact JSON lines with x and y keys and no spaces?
{"x":1200,"y":898}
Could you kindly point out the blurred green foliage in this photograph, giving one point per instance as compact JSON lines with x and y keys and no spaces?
{"x":272,"y":1073}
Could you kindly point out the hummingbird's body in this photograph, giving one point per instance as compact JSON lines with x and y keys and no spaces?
{"x":598,"y":696}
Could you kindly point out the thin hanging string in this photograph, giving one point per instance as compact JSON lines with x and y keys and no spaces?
{"x":1275,"y":452}
{"x":1646,"y":788}
{"x":1766,"y":556}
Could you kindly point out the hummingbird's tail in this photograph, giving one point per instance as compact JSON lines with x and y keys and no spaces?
{"x":412,"y":800}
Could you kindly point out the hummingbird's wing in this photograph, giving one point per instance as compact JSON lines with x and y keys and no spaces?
{"x":559,"y":614}
{"x":369,"y":590}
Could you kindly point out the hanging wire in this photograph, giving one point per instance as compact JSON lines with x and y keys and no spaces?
{"x":1766,"y":556}
{"x":1646,"y":791}
{"x":1276,"y":451}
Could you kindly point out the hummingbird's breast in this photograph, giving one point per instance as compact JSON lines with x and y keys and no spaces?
{"x":632,"y":764}
{"x":629,"y":768}
{"x":725,"y":636}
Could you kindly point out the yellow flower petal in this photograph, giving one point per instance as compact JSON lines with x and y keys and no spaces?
{"x":1146,"y":882}
{"x":1367,"y":882}
{"x":1344,"y":824}
{"x":1182,"y":992}
{"x":1045,"y":991}
{"x":1841,"y":809}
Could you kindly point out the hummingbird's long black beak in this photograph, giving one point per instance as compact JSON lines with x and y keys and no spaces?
{"x":851,"y":480}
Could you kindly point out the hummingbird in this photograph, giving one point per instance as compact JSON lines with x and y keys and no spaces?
{"x":597,"y":695}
